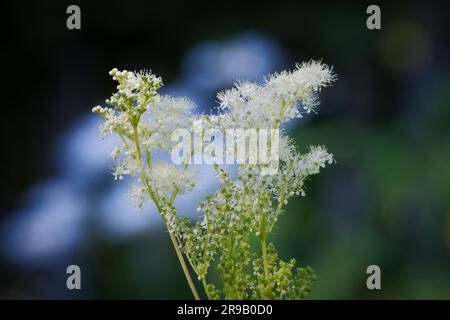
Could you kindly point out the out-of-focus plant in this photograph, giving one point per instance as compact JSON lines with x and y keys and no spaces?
{"x":243,"y":208}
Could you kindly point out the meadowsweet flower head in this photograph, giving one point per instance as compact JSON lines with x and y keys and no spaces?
{"x":278,"y":99}
{"x":134,"y":85}
{"x":313,"y":75}
{"x":245,"y":206}
{"x":162,"y":117}
{"x":315,"y":159}
{"x":169,"y":180}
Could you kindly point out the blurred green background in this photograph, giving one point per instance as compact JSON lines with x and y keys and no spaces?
{"x":385,"y":202}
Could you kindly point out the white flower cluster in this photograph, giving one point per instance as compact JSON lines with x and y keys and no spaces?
{"x":144,"y":121}
{"x":162,"y":118}
{"x":277,"y":100}
{"x":133,"y":86}
{"x":249,"y":204}
{"x":170,"y":180}
{"x":316,"y":158}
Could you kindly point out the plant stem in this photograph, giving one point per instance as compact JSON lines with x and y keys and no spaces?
{"x":205,"y":286}
{"x":263,"y":245}
{"x":183,"y":264}
{"x":152,"y":196}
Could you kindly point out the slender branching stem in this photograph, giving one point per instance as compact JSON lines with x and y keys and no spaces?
{"x":263,"y":237}
{"x":182,"y":262}
{"x":172,"y":237}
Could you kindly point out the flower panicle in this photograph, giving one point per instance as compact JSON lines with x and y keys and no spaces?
{"x":245,"y":206}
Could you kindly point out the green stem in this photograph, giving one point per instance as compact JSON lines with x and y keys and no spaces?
{"x":177,"y":248}
{"x":283,"y":186}
{"x":182,"y":262}
{"x":172,"y":237}
{"x":263,"y":245}
{"x":205,"y":286}
{"x":136,"y":137}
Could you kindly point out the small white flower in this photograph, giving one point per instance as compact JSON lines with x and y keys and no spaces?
{"x":115,"y":152}
{"x":315,"y":159}
{"x":168,"y":179}
{"x":138,"y":195}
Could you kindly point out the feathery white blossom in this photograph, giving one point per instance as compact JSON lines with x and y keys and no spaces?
{"x":315,"y":159}
{"x":168,"y":180}
{"x":162,"y":118}
{"x":277,"y":100}
{"x":244,"y":205}
{"x":138,"y":195}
